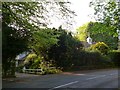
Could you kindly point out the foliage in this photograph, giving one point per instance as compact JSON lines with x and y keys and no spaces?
{"x":42,"y":40}
{"x":115,"y":55}
{"x":20,"y":68}
{"x":21,"y":20}
{"x":82,"y":32}
{"x":38,"y":62}
{"x":15,"y":30}
{"x":62,"y":53}
{"x":68,"y":53}
{"x":25,"y":27}
{"x":101,"y":47}
{"x":90,"y":60}
{"x":29,"y":58}
{"x":86,"y":58}
{"x":12,"y":45}
{"x":48,"y":68}
{"x":107,"y":12}
{"x":100,"y":33}
{"x":31,"y":15}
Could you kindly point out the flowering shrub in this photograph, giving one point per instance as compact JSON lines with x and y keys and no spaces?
{"x":101,"y":47}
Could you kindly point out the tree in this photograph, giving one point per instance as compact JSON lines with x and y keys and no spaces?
{"x":107,"y":12}
{"x":19,"y":21}
{"x":12,"y":45}
{"x":42,"y":40}
{"x":82,"y":32}
{"x":29,"y":14}
{"x":63,"y":52}
{"x":99,"y":32}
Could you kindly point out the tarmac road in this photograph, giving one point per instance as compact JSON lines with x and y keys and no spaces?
{"x":104,"y":78}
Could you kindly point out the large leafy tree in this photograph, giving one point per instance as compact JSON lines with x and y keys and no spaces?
{"x":98,"y":33}
{"x":82,"y":32}
{"x":36,"y":13}
{"x":107,"y":12}
{"x":21,"y":20}
{"x":64,"y":51}
{"x":15,"y":33}
{"x":42,"y":40}
{"x":12,"y":44}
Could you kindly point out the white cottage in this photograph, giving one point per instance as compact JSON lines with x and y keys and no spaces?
{"x":20,"y":58}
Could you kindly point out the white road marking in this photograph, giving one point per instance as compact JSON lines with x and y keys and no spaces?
{"x":65,"y":84}
{"x":111,"y":74}
{"x":100,"y":76}
{"x":114,"y":74}
{"x":78,"y":81}
{"x":95,"y":77}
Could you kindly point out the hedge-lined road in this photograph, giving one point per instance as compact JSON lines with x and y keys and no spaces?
{"x":107,"y":78}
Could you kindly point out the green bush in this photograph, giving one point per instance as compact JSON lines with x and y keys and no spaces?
{"x":30,"y":57}
{"x":100,"y":47}
{"x":91,"y":59}
{"x":115,"y":57}
{"x":20,"y":68}
{"x":51,"y":71}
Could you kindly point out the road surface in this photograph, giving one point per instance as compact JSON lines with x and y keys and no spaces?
{"x":107,"y":78}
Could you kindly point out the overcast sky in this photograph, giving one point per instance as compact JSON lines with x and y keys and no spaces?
{"x":83,"y":11}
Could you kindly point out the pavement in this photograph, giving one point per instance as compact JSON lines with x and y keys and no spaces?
{"x":104,"y":78}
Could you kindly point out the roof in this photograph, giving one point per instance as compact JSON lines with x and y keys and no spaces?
{"x":22,"y":55}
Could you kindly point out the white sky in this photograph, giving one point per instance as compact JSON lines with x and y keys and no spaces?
{"x":82,"y":9}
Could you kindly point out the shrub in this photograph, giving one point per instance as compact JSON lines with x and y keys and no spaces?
{"x":87,"y":58}
{"x":30,"y":57}
{"x":20,"y":68}
{"x":115,"y":57}
{"x":91,"y":60}
{"x":51,"y":70}
{"x":100,"y":47}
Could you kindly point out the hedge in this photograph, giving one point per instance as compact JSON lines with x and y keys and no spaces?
{"x":115,"y":57}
